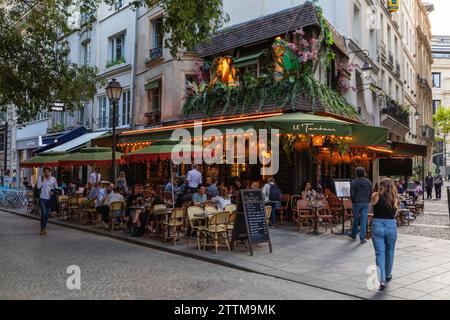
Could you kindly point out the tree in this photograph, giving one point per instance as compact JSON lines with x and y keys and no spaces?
{"x":441,"y":123}
{"x":34,"y":66}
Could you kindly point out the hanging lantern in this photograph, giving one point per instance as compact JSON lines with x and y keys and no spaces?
{"x":317,"y":141}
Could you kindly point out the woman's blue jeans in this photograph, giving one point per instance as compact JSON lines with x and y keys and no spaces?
{"x":384,"y":236}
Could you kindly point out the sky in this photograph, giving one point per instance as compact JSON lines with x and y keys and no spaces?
{"x":440,"y":17}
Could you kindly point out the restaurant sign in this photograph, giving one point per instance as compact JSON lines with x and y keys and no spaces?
{"x":312,"y":128}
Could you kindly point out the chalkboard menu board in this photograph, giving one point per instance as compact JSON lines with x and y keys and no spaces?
{"x":255,"y":218}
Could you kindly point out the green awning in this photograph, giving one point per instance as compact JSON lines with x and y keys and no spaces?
{"x":246,"y":60}
{"x":50,"y":159}
{"x":92,"y":156}
{"x":305,"y":123}
{"x":160,"y":152}
{"x":364,"y":135}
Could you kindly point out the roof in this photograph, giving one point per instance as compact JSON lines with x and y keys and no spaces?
{"x":77,"y":142}
{"x":261,"y":29}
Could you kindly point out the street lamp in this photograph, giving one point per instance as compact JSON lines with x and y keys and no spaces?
{"x":417,"y":115}
{"x":114,"y":91}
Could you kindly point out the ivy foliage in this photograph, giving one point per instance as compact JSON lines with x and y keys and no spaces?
{"x":299,"y":65}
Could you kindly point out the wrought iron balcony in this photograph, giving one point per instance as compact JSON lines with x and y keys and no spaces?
{"x":394,"y":110}
{"x":153,"y":118}
{"x":391,"y":58}
{"x":156,"y":53}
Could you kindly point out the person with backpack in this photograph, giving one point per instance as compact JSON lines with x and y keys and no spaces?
{"x":272,"y":197}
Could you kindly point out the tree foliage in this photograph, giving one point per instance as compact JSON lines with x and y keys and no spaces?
{"x":441,"y":121}
{"x":34,"y":67}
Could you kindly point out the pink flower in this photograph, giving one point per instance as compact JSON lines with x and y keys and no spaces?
{"x":292,"y":46}
{"x":305,"y":57}
{"x":300,"y":32}
{"x":314,"y":41}
{"x":304,"y":43}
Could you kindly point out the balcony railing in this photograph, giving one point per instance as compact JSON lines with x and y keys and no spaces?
{"x":156,"y":53}
{"x":394,"y":110}
{"x":391,"y":58}
{"x":153,"y":118}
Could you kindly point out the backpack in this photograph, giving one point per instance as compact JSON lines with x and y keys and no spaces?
{"x":274,"y":193}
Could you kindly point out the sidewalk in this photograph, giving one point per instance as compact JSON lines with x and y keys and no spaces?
{"x":332,"y":262}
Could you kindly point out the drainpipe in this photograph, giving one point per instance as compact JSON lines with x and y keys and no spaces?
{"x":133,"y":70}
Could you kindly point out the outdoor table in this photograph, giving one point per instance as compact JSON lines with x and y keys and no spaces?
{"x":315,"y":208}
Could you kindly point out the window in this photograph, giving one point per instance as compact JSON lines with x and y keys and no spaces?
{"x":117,"y":44}
{"x":103,"y":108}
{"x":356,"y":23}
{"x":118,"y":4}
{"x":86,"y":53}
{"x":436,"y":104}
{"x":157,"y":33}
{"x":125,"y":108}
{"x":154,"y":95}
{"x":436,"y":77}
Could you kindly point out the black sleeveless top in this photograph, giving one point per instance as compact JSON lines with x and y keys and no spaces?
{"x":382,"y":211}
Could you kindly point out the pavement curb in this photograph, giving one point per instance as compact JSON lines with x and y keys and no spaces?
{"x":178,"y":252}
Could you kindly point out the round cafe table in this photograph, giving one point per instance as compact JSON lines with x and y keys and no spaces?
{"x":315,"y":208}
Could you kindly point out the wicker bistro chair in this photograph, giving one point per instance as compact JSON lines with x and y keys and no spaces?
{"x":91,"y":212}
{"x":284,"y":209}
{"x":158,"y":214}
{"x":304,"y":215}
{"x":230,"y":226}
{"x":196,"y":218}
{"x":293,"y":206}
{"x":335,"y":206}
{"x":348,"y":211}
{"x":324,"y":213}
{"x":216,"y":231}
{"x":83,"y":204}
{"x":175,"y":223}
{"x":63,"y":206}
{"x":116,"y":215}
{"x":73,"y":208}
{"x":210,"y":209}
{"x":231,"y":208}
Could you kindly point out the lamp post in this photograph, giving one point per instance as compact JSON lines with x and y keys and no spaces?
{"x":114,"y":91}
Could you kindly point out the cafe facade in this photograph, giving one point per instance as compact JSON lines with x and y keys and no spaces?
{"x":282,"y":73}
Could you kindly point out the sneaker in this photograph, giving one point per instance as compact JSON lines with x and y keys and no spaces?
{"x":382,"y":286}
{"x":388,"y":278}
{"x":363,"y":241}
{"x":350,"y":235}
{"x":43,"y":232}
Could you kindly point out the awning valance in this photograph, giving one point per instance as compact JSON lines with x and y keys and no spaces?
{"x":92,"y":156}
{"x":50,"y":159}
{"x":160,"y":153}
{"x":408,"y":149}
{"x":288,"y":123}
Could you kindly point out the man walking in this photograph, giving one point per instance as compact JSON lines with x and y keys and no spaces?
{"x":438,"y":183}
{"x":46,"y":184}
{"x":360,"y":192}
{"x":429,"y":185}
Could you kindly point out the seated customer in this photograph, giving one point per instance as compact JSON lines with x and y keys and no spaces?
{"x":308,"y":192}
{"x":418,"y":190}
{"x":200,"y":198}
{"x":212,"y":187}
{"x":221,"y":200}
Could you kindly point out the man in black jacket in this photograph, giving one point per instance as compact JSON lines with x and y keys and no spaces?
{"x":360,"y":192}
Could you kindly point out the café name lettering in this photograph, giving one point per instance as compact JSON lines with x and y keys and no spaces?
{"x":311,"y":127}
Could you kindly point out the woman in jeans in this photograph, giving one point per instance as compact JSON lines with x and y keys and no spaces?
{"x":384,"y":229}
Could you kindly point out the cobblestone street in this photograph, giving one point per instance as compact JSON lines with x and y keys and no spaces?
{"x":34,"y":267}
